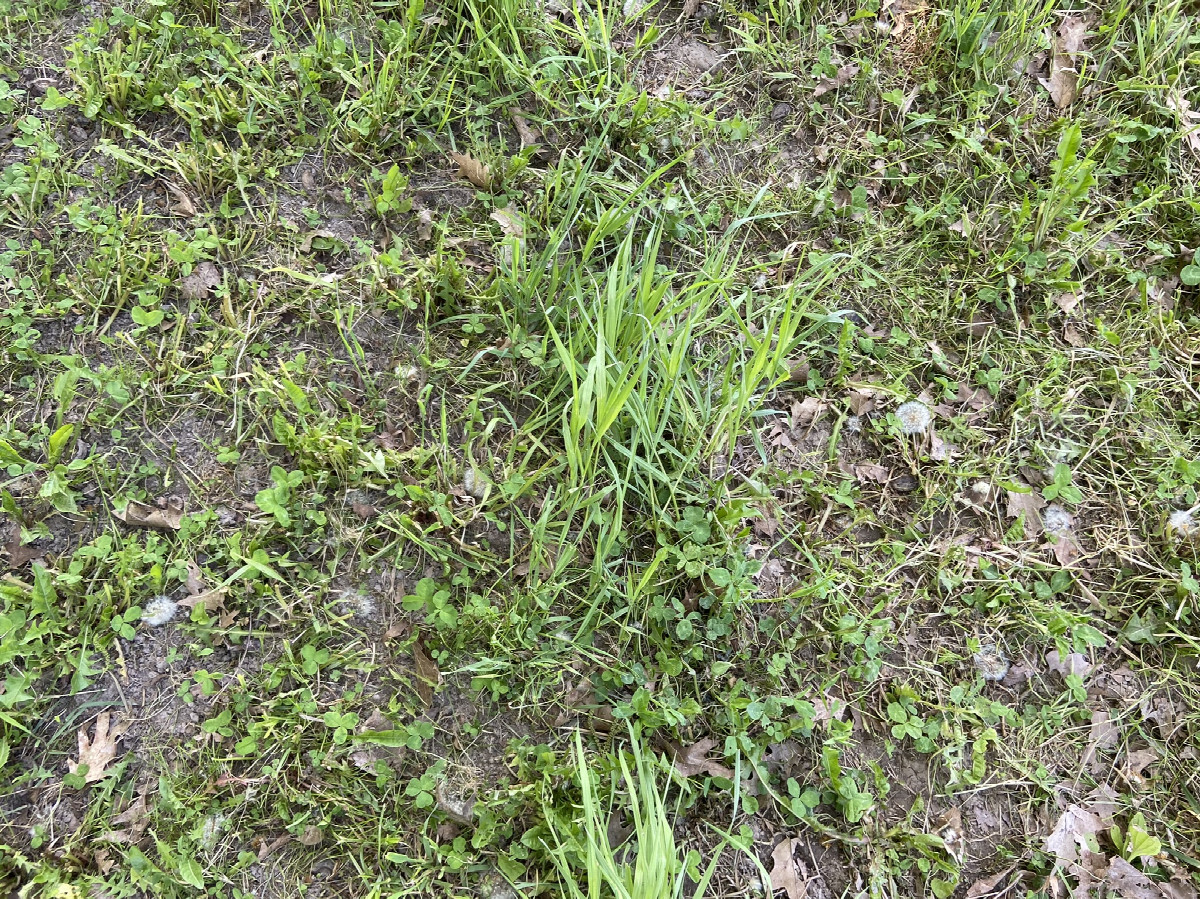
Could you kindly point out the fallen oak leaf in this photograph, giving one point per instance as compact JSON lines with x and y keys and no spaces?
{"x":510,"y":221}
{"x":1075,"y":663}
{"x":530,"y":136}
{"x":96,"y":753}
{"x":428,"y":675}
{"x":784,"y":873}
{"x":1070,"y":832}
{"x":212,"y":600}
{"x":473,"y":170}
{"x":986,"y":885}
{"x":844,"y":76}
{"x":1068,"y":43}
{"x":203,"y":280}
{"x":693,"y":760}
{"x":143,"y":515}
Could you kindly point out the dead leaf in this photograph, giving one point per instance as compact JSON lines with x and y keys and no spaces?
{"x":1027,"y":504}
{"x":1067,"y":301}
{"x":1136,"y":762}
{"x":312,"y":836}
{"x":1070,"y":832}
{"x":844,"y":76}
{"x":102,"y":860}
{"x":1074,"y":337}
{"x":1066,"y":549}
{"x":693,"y":760}
{"x":458,"y":808}
{"x":1104,"y":735}
{"x":195,"y":579}
{"x":530,"y":136}
{"x":861,"y":400}
{"x":203,"y":280}
{"x":1129,"y":882}
{"x":866,"y":472}
{"x":212,"y":600}
{"x":828,"y":708}
{"x":1068,"y":44}
{"x":99,"y":751}
{"x":510,"y":221}
{"x":986,"y":885}
{"x":183,"y":205}
{"x":363,"y":510}
{"x":473,"y":170}
{"x":19,"y":555}
{"x":135,"y":817}
{"x":1076,"y":663}
{"x":939,"y":450}
{"x":424,"y":226}
{"x":1178,"y":888}
{"x":428,"y":675}
{"x":1189,"y":119}
{"x":788,"y":873}
{"x":306,"y":245}
{"x":146,"y":516}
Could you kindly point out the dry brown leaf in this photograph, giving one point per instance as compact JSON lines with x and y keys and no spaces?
{"x":424,"y":226}
{"x":212,"y":600}
{"x":693,"y":760}
{"x":473,"y":170}
{"x":939,"y":450}
{"x":1189,"y":120}
{"x":458,"y":808}
{"x":203,"y":280}
{"x":1075,"y":663}
{"x":1068,"y":44}
{"x":844,"y":76}
{"x":142,"y":515}
{"x":306,"y":245}
{"x":312,"y":836}
{"x":1067,"y":301}
{"x":1178,"y":888}
{"x":788,"y":873}
{"x":861,"y":400}
{"x":1104,"y":735}
{"x":428,"y":675}
{"x":183,"y":205}
{"x":97,"y":752}
{"x":1068,"y":836}
{"x":1029,"y":504}
{"x":986,"y":885}
{"x":195,"y":579}
{"x":1136,"y":762}
{"x":510,"y":221}
{"x":1129,"y":882}
{"x":135,"y":817}
{"x":1066,"y":549}
{"x":807,"y":411}
{"x":866,"y":472}
{"x":530,"y":136}
{"x":1074,"y":337}
{"x":19,"y":555}
{"x":828,"y":708}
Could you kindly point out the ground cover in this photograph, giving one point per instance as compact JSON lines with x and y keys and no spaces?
{"x":508,"y":448}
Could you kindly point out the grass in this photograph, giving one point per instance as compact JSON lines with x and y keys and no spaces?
{"x":462,"y":470}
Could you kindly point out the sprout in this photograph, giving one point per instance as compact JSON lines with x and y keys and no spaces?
{"x":1057,"y":520}
{"x":914,"y":418}
{"x":1182,"y":526}
{"x":159,"y":611}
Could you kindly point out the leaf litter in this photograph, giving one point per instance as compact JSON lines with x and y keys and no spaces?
{"x":97,"y":751}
